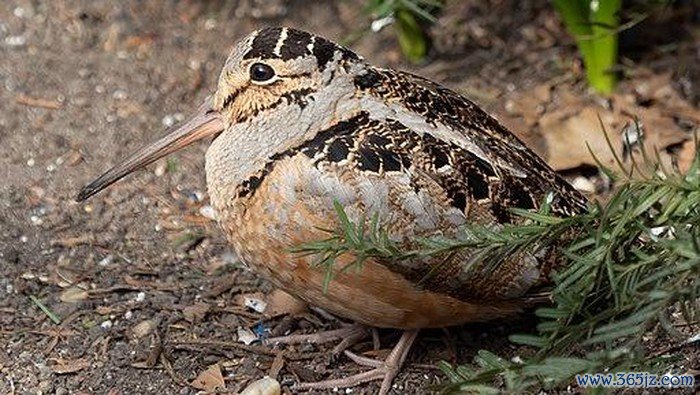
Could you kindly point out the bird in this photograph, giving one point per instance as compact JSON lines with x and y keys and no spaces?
{"x":300,"y":124}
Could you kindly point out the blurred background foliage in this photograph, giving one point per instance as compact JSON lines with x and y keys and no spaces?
{"x":594,"y":25}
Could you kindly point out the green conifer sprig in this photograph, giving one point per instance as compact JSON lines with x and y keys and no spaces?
{"x":632,"y":266}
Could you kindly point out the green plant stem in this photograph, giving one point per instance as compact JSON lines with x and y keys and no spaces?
{"x":594,"y":25}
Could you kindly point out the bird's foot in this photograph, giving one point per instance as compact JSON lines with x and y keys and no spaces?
{"x":348,"y":335}
{"x":382,"y":370}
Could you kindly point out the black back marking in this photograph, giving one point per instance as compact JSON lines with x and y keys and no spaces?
{"x":339,"y":149}
{"x":367,"y":80}
{"x":438,"y":104}
{"x":437,"y":150}
{"x":519,"y":196}
{"x":476,"y":182}
{"x":391,"y":161}
{"x":367,"y":159}
{"x":458,"y":200}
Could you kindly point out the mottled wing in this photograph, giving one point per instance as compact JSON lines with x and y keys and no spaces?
{"x":524,"y":179}
{"x":422,"y":186}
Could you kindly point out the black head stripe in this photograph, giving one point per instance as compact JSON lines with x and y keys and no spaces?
{"x":295,"y":45}
{"x":263,"y":45}
{"x":286,"y":44}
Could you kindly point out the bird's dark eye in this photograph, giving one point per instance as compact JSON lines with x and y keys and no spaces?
{"x":261,"y":72}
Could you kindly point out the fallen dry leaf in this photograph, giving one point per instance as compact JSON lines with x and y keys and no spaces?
{"x":210,"y":380}
{"x":569,"y":138}
{"x":565,"y":122}
{"x":73,"y":295}
{"x":65,"y":366}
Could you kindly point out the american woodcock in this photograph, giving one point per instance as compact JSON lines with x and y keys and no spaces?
{"x":299,"y":122}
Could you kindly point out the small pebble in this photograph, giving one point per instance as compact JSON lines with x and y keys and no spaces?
{"x":140,"y":297}
{"x":16,"y":41}
{"x":160,"y":169}
{"x":31,"y":162}
{"x":171,"y":119}
{"x":128,"y":315}
{"x":119,"y":94}
{"x":208,"y":212}
{"x":381,"y":23}
{"x":265,"y":386}
{"x":106,"y":260}
{"x":106,"y":324}
{"x":210,"y":24}
{"x":143,"y":328}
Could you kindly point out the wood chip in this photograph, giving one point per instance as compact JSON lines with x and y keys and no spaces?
{"x":37,"y":102}
{"x":73,"y":295}
{"x":246,"y":336}
{"x":277,"y":365}
{"x":143,"y":328}
{"x":65,"y":366}
{"x":196,"y":312}
{"x":221,"y":286}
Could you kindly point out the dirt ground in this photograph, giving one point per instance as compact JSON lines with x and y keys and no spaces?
{"x":147,"y":293}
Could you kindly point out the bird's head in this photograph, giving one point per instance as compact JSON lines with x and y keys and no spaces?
{"x":271,"y":75}
{"x":280,"y":66}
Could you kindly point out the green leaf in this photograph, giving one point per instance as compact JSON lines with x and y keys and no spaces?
{"x":529,"y":340}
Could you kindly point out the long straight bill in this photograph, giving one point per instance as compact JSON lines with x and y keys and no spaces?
{"x":205,"y":122}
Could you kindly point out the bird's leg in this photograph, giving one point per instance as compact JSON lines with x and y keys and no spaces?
{"x":348,"y":335}
{"x":382,"y":370}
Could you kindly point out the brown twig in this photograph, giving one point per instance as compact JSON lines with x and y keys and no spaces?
{"x":37,"y":102}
